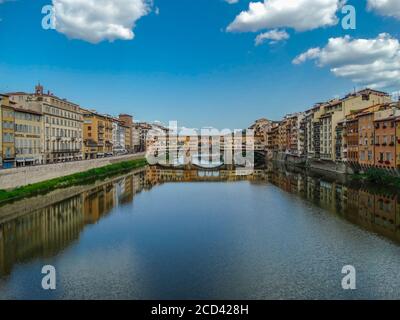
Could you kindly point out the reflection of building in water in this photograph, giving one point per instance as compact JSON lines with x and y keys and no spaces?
{"x":378,"y":212}
{"x":129,"y":190}
{"x":374,"y":211}
{"x":156,"y":175}
{"x":41,"y":233}
{"x":98,"y":202}
{"x":45,"y":232}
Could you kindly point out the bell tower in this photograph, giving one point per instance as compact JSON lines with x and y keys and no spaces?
{"x":39,"y":90}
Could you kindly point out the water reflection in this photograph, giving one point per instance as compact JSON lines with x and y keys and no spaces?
{"x":45,"y":232}
{"x":374,"y":209}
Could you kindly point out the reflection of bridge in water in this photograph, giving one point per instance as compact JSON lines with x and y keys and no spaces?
{"x":214,"y":161}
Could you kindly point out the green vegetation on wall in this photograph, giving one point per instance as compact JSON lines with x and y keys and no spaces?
{"x":67,"y":181}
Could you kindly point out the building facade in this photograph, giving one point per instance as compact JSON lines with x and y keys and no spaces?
{"x":7,"y":145}
{"x":97,"y":134}
{"x":385,"y":142}
{"x":119,"y":134}
{"x":127,"y":122}
{"x":62,"y":124}
{"x":28,"y":137}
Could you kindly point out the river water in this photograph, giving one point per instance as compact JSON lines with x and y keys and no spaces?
{"x":174,"y":234}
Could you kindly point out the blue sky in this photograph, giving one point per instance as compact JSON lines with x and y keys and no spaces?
{"x":181,"y":65}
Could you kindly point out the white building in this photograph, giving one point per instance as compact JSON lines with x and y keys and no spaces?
{"x":118,"y":137}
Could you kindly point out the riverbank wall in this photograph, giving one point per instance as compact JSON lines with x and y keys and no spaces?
{"x":314,"y":164}
{"x":18,"y":177}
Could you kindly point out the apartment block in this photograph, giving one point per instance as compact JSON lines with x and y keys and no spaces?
{"x":352,"y":140}
{"x":340,"y":144}
{"x":398,"y":142}
{"x":7,"y":117}
{"x":385,"y":138}
{"x":338,"y":109}
{"x":28,"y":137}
{"x":261,"y":128}
{"x":97,"y":134}
{"x":312,"y":132}
{"x":62,"y":124}
{"x":118,"y":140}
{"x":127,"y":122}
{"x":366,"y":131}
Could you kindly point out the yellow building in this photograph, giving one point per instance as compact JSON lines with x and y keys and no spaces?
{"x":398,"y":142}
{"x":336,"y":110}
{"x":62,"y":124}
{"x":7,"y":133}
{"x":2,"y":98}
{"x":97,"y":134}
{"x":28,"y":137}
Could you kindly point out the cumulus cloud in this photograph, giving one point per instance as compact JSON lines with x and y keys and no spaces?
{"x":273,"y":36}
{"x":98,"y":20}
{"x":301,"y":15}
{"x":232,"y":1}
{"x":371,"y":62}
{"x":385,"y":7}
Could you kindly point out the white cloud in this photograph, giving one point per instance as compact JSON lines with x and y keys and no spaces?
{"x":301,"y":15}
{"x":98,"y":20}
{"x":371,"y":62}
{"x":385,"y":7}
{"x":274,"y":36}
{"x":232,"y":1}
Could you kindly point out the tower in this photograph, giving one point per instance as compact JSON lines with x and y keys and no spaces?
{"x":39,"y":90}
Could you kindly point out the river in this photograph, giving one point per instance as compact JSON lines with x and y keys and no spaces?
{"x":188,"y":234}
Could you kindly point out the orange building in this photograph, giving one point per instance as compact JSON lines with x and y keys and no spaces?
{"x":352,"y":140}
{"x":366,"y":131}
{"x":385,"y":142}
{"x":97,"y":135}
{"x":398,"y":143}
{"x":127,"y":122}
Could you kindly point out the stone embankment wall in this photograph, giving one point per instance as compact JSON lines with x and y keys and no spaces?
{"x":17,"y":177}
{"x":331,"y":166}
